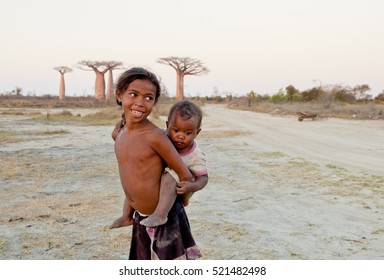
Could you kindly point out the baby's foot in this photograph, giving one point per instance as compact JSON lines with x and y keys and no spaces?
{"x":154,"y":221}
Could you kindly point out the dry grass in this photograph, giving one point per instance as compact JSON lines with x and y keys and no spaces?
{"x":108,"y":112}
{"x":7,"y":136}
{"x":368,"y":110}
{"x":19,"y":136}
{"x":50,"y":132}
{"x":103,"y":116}
{"x":221,"y":134}
{"x":13,"y":101}
{"x":2,"y":242}
{"x":362,"y":111}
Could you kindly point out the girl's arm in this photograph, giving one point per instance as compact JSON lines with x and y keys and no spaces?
{"x":164,"y":147}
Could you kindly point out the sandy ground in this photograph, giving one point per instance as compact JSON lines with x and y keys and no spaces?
{"x":278,"y":189}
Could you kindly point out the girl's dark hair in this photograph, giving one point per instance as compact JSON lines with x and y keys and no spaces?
{"x":186,"y":109}
{"x":133,"y":74}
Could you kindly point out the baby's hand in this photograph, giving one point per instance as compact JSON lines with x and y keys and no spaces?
{"x":183,"y":187}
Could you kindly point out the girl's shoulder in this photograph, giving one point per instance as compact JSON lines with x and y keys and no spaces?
{"x":155,"y":132}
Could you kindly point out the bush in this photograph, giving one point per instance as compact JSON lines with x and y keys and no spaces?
{"x":297,"y":97}
{"x":278,"y":98}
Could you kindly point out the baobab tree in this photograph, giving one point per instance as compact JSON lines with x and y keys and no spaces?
{"x":184,"y":66}
{"x":62,"y":70}
{"x":100,"y":68}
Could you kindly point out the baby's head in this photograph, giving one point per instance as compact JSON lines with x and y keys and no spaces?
{"x":186,"y":110}
{"x":183,"y":125}
{"x":133,"y":74}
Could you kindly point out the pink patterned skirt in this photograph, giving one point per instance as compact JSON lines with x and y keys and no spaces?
{"x":171,"y":241}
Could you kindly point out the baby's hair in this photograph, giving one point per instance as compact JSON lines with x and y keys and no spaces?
{"x":186,"y":110}
{"x":133,"y":74}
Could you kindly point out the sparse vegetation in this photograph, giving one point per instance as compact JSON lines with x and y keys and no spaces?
{"x":48,"y":101}
{"x":7,"y":137}
{"x":378,"y":231}
{"x":104,"y":116}
{"x":2,"y":243}
{"x":50,"y":132}
{"x":326,"y":101}
{"x":325,"y":109}
{"x":13,"y":137}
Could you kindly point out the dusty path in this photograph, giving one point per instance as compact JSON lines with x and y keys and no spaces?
{"x":307,"y":190}
{"x":278,"y":189}
{"x":356,"y":145}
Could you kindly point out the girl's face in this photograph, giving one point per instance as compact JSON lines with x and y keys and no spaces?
{"x":138,"y":100}
{"x":182,"y":132}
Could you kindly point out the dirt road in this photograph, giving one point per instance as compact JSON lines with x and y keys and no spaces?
{"x":294,"y":190}
{"x":356,"y":145}
{"x":278,"y":189}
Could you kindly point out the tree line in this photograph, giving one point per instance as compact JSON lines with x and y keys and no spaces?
{"x":339,"y":93}
{"x":182,"y":65}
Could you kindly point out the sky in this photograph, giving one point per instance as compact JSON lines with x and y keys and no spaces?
{"x":247,"y":45}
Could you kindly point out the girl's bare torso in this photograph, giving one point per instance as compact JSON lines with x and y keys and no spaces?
{"x":140,"y":168}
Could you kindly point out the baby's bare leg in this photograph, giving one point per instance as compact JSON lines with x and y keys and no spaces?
{"x":166,"y":199}
{"x":186,"y":197}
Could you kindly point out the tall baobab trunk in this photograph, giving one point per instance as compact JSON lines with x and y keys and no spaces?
{"x":62,"y":87}
{"x":179,"y":86}
{"x":110,"y":85}
{"x":99,"y":85}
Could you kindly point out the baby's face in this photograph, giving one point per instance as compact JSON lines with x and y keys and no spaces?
{"x":182,"y":132}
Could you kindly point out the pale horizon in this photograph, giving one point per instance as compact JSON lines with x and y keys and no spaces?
{"x":259,"y":46}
